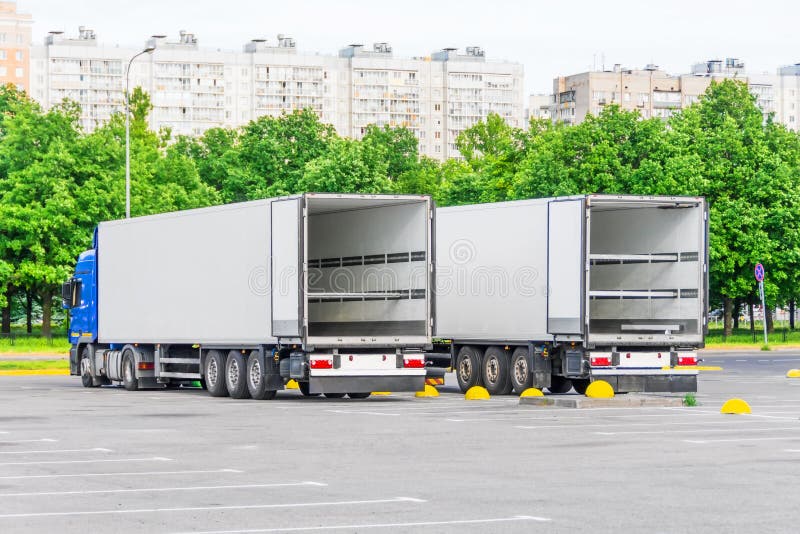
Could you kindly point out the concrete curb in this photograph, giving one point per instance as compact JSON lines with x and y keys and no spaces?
{"x":619,"y":401}
{"x":33,"y":372}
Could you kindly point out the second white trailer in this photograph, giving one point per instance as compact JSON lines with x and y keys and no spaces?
{"x":555,"y":293}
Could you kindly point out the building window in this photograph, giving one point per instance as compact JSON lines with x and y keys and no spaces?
{"x":18,"y":55}
{"x":437,"y":135}
{"x":3,"y":37}
{"x":20,"y":72}
{"x":20,"y":38}
{"x":437,"y":107}
{"x":3,"y":54}
{"x":3,"y":71}
{"x":627,"y":97}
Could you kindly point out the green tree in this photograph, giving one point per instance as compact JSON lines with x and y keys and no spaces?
{"x":349,"y":167}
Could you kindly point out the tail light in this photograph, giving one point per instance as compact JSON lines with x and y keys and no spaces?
{"x":687,"y":359}
{"x":322,"y":363}
{"x":414,"y":363}
{"x":146,"y":366}
{"x":600,"y":361}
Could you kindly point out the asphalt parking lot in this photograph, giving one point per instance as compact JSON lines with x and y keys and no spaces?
{"x":107,"y":460}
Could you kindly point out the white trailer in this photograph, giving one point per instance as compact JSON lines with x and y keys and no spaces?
{"x":557,"y":292}
{"x":330,"y":290}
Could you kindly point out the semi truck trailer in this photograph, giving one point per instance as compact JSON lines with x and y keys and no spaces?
{"x":333,"y":291}
{"x":555,"y":293}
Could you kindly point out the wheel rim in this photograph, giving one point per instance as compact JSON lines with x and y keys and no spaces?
{"x":492,"y":370}
{"x":465,"y":370}
{"x":255,"y":374}
{"x":521,"y":371}
{"x":86,"y":369}
{"x":212,"y":372}
{"x":128,"y":370}
{"x":233,"y":373}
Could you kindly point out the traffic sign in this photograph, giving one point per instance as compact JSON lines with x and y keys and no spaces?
{"x":759,"y":271}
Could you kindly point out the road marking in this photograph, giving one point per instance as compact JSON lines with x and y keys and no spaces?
{"x":182,"y":488}
{"x":741,"y":360}
{"x":774,"y":438}
{"x":145,"y":473}
{"x":791,"y":450}
{"x":52,"y":462}
{"x":96,"y":449}
{"x":626,"y":425}
{"x":363,"y":413}
{"x":48,"y":440}
{"x":695,"y":431}
{"x":384,"y":525}
{"x":227,"y":507}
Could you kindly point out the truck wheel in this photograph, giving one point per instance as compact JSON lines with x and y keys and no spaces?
{"x":86,"y":369}
{"x":256,"y":384}
{"x":358,"y":395}
{"x":215,"y":374}
{"x":521,"y":376}
{"x":468,"y":364}
{"x":559,"y":384}
{"x":305,"y":389}
{"x":236,"y":375}
{"x":129,"y":380}
{"x":334,"y":395}
{"x":580,"y":385}
{"x":495,"y":370}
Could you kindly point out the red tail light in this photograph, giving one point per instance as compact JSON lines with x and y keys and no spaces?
{"x":687,"y":360}
{"x":413,"y":364}
{"x":600,"y":361}
{"x":322,"y":364}
{"x":146,"y":366}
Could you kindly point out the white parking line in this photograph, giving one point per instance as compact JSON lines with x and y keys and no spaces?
{"x":363,"y":413}
{"x":182,"y":488}
{"x":384,"y":525}
{"x":134,"y":474}
{"x":791,"y":450}
{"x":52,"y":462}
{"x":660,"y":423}
{"x":48,"y":440}
{"x":695,"y":431}
{"x":228,"y":507}
{"x":774,"y":438}
{"x":96,"y":449}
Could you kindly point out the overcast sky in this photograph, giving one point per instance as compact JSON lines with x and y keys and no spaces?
{"x":550,"y":38}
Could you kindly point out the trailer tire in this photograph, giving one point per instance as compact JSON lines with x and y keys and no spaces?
{"x":580,"y":385}
{"x":495,"y":371}
{"x":358,"y":395}
{"x":256,"y":384}
{"x":129,"y":380}
{"x":520,"y":374}
{"x":559,"y":384}
{"x":86,"y":369}
{"x":214,"y":373}
{"x":236,"y":375}
{"x":305,"y":389}
{"x":468,"y":364}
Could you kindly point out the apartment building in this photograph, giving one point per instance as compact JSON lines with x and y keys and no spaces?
{"x":653,"y":92}
{"x":193,"y":89}
{"x":788,"y":97}
{"x":15,"y":42}
{"x":539,"y":107}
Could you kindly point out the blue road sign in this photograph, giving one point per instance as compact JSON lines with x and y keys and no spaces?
{"x":759,"y":272}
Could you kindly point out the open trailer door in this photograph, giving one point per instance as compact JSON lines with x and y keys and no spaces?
{"x":287,"y":267}
{"x":565,"y":266}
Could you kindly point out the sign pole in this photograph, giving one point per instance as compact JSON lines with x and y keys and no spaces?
{"x":759,"y":272}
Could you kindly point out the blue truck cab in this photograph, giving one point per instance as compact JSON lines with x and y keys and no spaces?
{"x":79,"y":295}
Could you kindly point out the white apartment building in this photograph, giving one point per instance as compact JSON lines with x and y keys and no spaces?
{"x":193,"y":89}
{"x":788,"y":97}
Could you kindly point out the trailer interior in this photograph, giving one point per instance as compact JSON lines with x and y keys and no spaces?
{"x":646,"y":270}
{"x":368,"y":267}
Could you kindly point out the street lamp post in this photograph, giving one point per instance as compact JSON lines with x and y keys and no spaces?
{"x":148,"y":50}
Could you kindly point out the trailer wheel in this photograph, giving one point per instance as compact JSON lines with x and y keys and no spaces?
{"x":334,"y":395}
{"x":580,"y":385}
{"x":468,"y":363}
{"x":495,"y":370}
{"x":559,"y":384}
{"x":520,"y":374}
{"x":86,"y":369}
{"x":215,"y":374}
{"x":256,"y":384}
{"x":358,"y":395}
{"x":129,"y":380}
{"x":305,"y":389}
{"x":236,"y":375}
